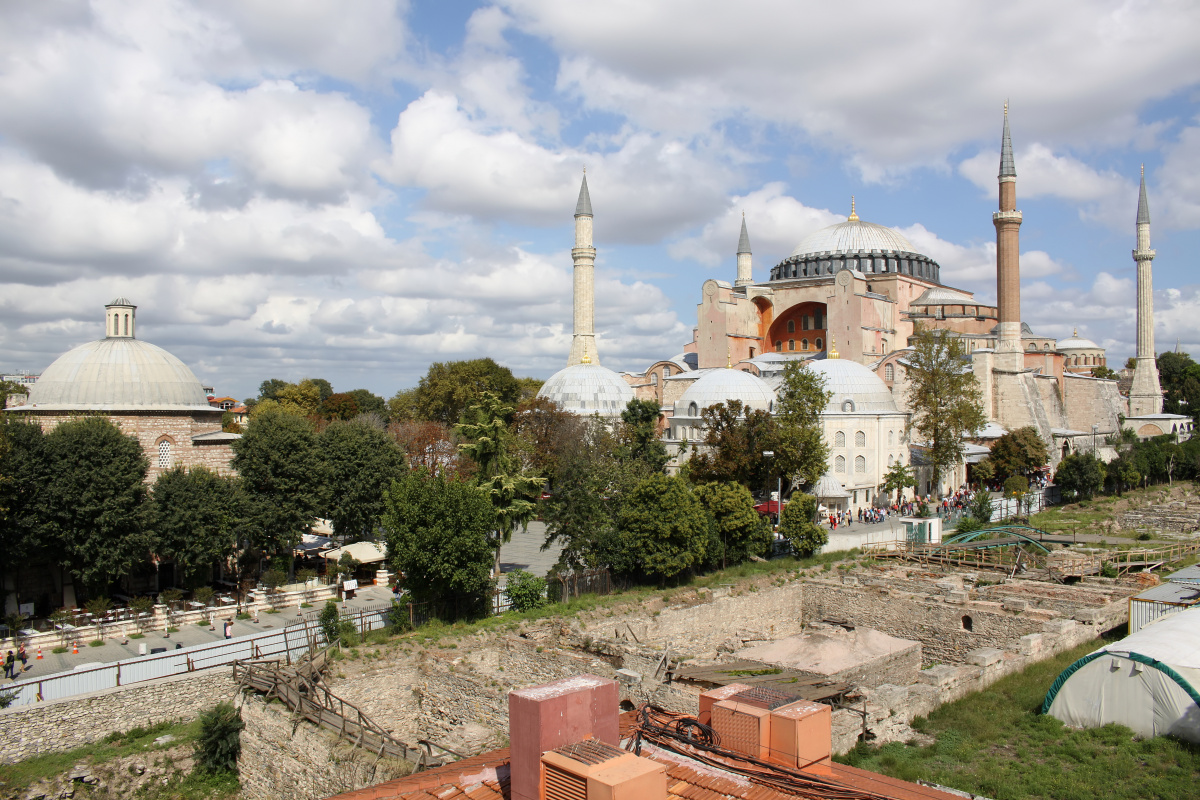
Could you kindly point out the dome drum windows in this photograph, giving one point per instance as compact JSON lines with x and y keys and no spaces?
{"x":839,"y":438}
{"x":860,"y":439}
{"x":839,"y":465}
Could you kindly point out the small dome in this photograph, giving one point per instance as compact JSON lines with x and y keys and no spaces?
{"x":853,"y":236}
{"x":829,"y":488}
{"x":118,"y":373}
{"x":587,"y":389}
{"x":1077,"y":342}
{"x":856,"y":389}
{"x":941,"y":296}
{"x":722,"y":385}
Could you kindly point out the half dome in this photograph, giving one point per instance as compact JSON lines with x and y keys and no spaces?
{"x":853,"y":236}
{"x":722,"y":385}
{"x":587,"y":389}
{"x":118,"y":373}
{"x":856,"y":389}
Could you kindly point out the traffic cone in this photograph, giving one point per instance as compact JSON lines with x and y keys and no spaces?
{"x":39,"y":658}
{"x":75,"y":647}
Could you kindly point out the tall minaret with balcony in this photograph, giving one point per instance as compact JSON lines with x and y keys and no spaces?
{"x":1009,"y":351}
{"x":745,"y":270}
{"x":1145,"y":395}
{"x":583,"y":343}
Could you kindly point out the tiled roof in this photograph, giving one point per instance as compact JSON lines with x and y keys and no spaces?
{"x":485,"y":777}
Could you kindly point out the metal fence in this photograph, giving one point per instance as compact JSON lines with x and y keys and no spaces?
{"x":288,"y":643}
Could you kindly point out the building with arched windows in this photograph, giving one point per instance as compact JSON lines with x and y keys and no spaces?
{"x":149,"y":393}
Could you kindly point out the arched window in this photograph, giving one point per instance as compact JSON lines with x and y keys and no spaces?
{"x":116,"y":324}
{"x":839,"y":439}
{"x":860,"y":464}
{"x":820,"y":345}
{"x":693,"y":410}
{"x":891,"y":459}
{"x":890,"y":434}
{"x":1032,"y":346}
{"x":847,"y":406}
{"x":804,"y":344}
{"x":126,"y":324}
{"x":1046,"y":346}
{"x":791,"y":344}
{"x":666,"y":372}
{"x":654,"y":379}
{"x":839,"y":465}
{"x":164,"y":454}
{"x":806,"y":322}
{"x":889,"y":372}
{"x":860,"y":439}
{"x":791,"y":326}
{"x":778,"y":346}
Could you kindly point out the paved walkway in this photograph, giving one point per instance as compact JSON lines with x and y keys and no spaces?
{"x":189,"y":634}
{"x":524,"y":551}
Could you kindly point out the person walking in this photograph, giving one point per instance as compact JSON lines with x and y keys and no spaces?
{"x":10,"y":663}
{"x":23,"y":657}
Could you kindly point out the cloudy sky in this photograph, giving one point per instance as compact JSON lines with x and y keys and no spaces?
{"x":312,"y":188}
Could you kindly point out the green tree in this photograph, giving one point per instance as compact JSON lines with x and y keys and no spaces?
{"x":1019,"y":452}
{"x":10,"y":388}
{"x":664,"y":528}
{"x":339,"y":405}
{"x":639,"y":434}
{"x":97,"y":513}
{"x":741,"y":532}
{"x":943,"y":397}
{"x":369,"y":403}
{"x":540,"y":429}
{"x":196,"y":520}
{"x":735,"y":439}
{"x":801,"y":452}
{"x":798,"y":525}
{"x":302,"y":399}
{"x":403,"y":407}
{"x":24,"y":475}
{"x":282,"y":473}
{"x":525,"y":590}
{"x":362,"y":461}
{"x":448,"y":389}
{"x":324,"y":387}
{"x":898,"y":478}
{"x":1175,"y":371}
{"x":981,"y":507}
{"x":487,"y":442}
{"x":1104,"y":372}
{"x":219,"y":743}
{"x":436,"y":530}
{"x":529,"y":387}
{"x":1080,"y":476}
{"x":270,"y":388}
{"x":1016,"y":486}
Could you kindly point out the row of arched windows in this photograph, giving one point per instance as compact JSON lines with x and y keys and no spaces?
{"x":791,"y":343}
{"x":117,"y":323}
{"x":1085,"y":361}
{"x":860,"y":465}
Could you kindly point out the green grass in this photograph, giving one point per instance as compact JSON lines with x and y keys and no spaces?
{"x":137,"y":636}
{"x":271,"y":611}
{"x":203,"y":623}
{"x":96,"y":643}
{"x":243,"y":615}
{"x":60,"y":650}
{"x":172,"y":629}
{"x":995,"y":743}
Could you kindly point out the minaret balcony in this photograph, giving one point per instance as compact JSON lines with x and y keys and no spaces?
{"x":1006,"y":216}
{"x":1144,"y":255}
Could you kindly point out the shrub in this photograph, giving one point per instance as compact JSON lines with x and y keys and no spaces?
{"x":526,"y":590}
{"x":220,"y":739}
{"x":170,"y":597}
{"x":968,"y":525}
{"x":398,"y":618}
{"x":1107,"y":570}
{"x":203,"y":594}
{"x":274,"y":578}
{"x":328,"y":621}
{"x":797,"y":526}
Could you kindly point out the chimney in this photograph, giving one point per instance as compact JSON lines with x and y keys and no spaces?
{"x":547,"y":717}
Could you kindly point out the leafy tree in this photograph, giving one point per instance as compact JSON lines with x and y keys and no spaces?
{"x":639,"y":434}
{"x":798,"y":525}
{"x":9,"y":389}
{"x":229,"y":423}
{"x":282,"y":471}
{"x":24,"y":475}
{"x":540,"y":429}
{"x":369,"y":403}
{"x":898,"y":477}
{"x":735,"y":438}
{"x":1080,"y":476}
{"x":1019,"y":452}
{"x":529,"y":387}
{"x":1016,"y":486}
{"x":339,"y":405}
{"x":449,"y":389}
{"x":403,"y":406}
{"x":220,"y":742}
{"x":429,"y":445}
{"x":362,"y":461}
{"x":487,"y":442}
{"x":302,"y":399}
{"x":95,"y":501}
{"x":741,"y":532}
{"x":1104,"y":372}
{"x":981,"y":507}
{"x":984,"y":471}
{"x":525,"y":590}
{"x":269,"y":389}
{"x":663,"y":527}
{"x":324,"y":387}
{"x":437,"y":530}
{"x":801,"y":452}
{"x":943,"y":397}
{"x":347,"y":565}
{"x":196,"y":518}
{"x":1179,"y":376}
{"x":330,"y":620}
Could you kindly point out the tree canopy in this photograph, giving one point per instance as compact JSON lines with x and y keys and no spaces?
{"x":196,"y":518}
{"x":450,"y":388}
{"x":943,"y":397}
{"x":801,"y":452}
{"x":1179,"y":376}
{"x":362,"y":462}
{"x":639,"y":434}
{"x":798,"y":525}
{"x":1019,"y":452}
{"x":735,"y":438}
{"x":1080,"y":476}
{"x":664,"y":528}
{"x":740,"y":531}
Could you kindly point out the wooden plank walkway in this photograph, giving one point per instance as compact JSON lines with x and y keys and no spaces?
{"x":798,"y":684}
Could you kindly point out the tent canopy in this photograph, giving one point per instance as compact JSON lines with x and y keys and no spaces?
{"x":365,"y":552}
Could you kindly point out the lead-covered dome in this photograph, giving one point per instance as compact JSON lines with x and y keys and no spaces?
{"x":722,"y":385}
{"x":856,"y":389}
{"x":118,"y":373}
{"x":858,"y":245}
{"x":587,"y":389}
{"x":853,"y":236}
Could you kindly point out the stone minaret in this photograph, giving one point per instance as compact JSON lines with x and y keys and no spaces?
{"x":1145,"y":396}
{"x":119,"y":316}
{"x":745,"y":275}
{"x":1008,"y":260}
{"x":583,"y":343}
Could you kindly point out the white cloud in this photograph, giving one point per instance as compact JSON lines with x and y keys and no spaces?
{"x":1175,"y":201}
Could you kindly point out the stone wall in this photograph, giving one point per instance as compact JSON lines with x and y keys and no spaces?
{"x":280,"y":758}
{"x":65,"y":724}
{"x":1179,"y":516}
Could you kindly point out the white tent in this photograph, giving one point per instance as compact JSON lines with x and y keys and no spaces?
{"x":1149,"y":681}
{"x":364,"y":552}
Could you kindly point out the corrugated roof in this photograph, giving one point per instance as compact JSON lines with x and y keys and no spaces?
{"x":1170,"y":593}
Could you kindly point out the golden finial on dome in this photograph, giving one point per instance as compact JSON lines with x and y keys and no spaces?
{"x":1006,"y":106}
{"x":1143,"y":170}
{"x":1075,"y":333}
{"x":586,"y":358}
{"x":853,"y":213}
{"x":728,"y":356}
{"x":833,"y":353}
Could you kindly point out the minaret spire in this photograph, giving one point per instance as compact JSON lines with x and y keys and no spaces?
{"x":583,"y":342}
{"x":1145,"y":395}
{"x":1009,"y":352}
{"x":745,"y":268}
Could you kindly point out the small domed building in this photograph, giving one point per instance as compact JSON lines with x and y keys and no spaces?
{"x":714,"y":387}
{"x":587,"y":389}
{"x":1081,"y":355}
{"x":149,"y":393}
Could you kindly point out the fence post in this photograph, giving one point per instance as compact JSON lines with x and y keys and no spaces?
{"x":118,"y":673}
{"x":287,"y":651}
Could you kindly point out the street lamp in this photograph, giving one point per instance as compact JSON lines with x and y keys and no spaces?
{"x":1095,"y":427}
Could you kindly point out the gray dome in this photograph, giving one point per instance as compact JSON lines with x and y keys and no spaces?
{"x":118,"y":373}
{"x":941,"y":296}
{"x":587,"y":389}
{"x":856,"y":389}
{"x":721,"y":386}
{"x":853,"y":236}
{"x":829,"y":488}
{"x":1077,"y":342}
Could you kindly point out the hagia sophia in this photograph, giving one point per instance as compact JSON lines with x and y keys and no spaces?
{"x":846,"y":302}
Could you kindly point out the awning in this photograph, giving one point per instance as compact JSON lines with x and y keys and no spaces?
{"x":364,"y":552}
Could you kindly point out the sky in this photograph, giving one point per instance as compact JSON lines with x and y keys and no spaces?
{"x":311,"y":188}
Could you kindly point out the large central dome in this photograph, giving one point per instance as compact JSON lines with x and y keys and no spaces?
{"x":853,"y":236}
